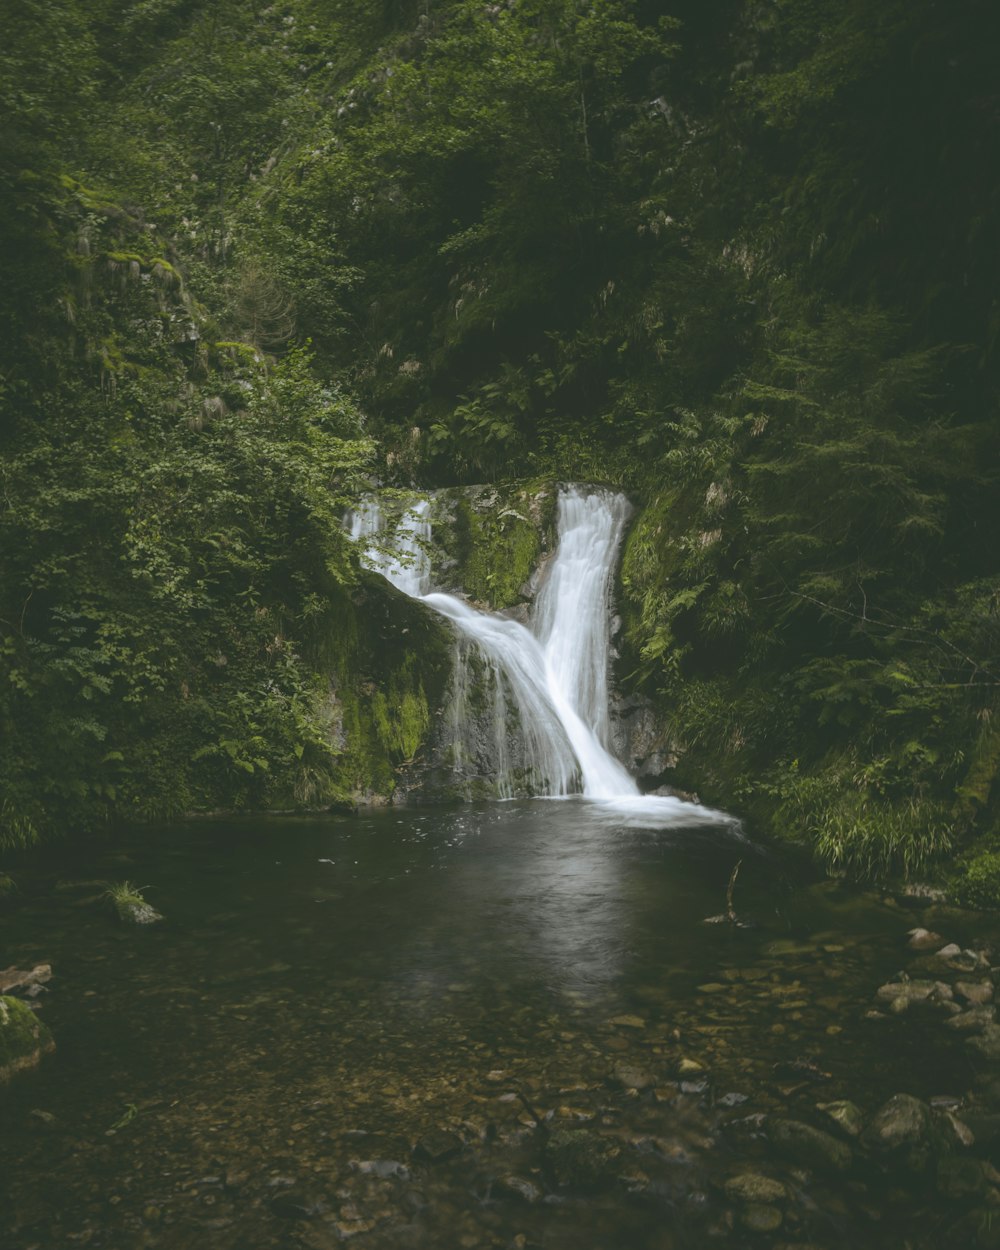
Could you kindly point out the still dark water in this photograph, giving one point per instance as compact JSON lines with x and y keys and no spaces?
{"x":382,"y":1030}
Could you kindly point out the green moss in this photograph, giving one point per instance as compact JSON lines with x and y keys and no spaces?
{"x":23,"y":1037}
{"x":8,"y":886}
{"x":389,"y":660}
{"x":496,"y":537}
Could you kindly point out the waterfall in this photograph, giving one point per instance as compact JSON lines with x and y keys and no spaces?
{"x":554,"y":671}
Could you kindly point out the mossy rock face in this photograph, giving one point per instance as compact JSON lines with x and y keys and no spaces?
{"x":23,"y":1038}
{"x":492,"y":539}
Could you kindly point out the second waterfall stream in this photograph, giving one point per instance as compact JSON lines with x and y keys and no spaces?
{"x":554,"y":670}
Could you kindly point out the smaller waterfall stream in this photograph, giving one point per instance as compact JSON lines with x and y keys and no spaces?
{"x":556,"y":671}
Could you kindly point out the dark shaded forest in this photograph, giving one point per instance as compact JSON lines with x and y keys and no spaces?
{"x":739,"y":259}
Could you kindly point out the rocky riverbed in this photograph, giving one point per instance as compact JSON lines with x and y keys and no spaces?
{"x":497,"y":1027}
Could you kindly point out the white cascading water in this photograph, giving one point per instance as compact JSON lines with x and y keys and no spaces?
{"x":557,"y":670}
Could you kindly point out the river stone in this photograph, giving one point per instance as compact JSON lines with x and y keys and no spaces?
{"x":137,"y":913}
{"x":809,"y":1146}
{"x":23,"y":1038}
{"x":954,"y":1132}
{"x":845,"y":1114}
{"x":631,"y":1077}
{"x":973,"y":1018}
{"x":581,"y":1158}
{"x":975,"y":992}
{"x":518,"y":1187}
{"x":960,"y":1178}
{"x":628,"y":1022}
{"x":753,"y":1187}
{"x":901,"y":1130}
{"x":923,"y":939}
{"x":758,"y":1218}
{"x":910,"y":991}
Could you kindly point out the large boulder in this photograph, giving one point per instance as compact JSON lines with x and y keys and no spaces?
{"x":23,"y":1038}
{"x":902,"y":1133}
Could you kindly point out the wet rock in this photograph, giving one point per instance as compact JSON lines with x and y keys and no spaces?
{"x":581,"y":1158}
{"x":901,"y":1132}
{"x":518,"y":1187}
{"x":949,"y":951}
{"x":902,"y":995}
{"x":960,"y":1178}
{"x":973,"y":1019}
{"x":19,"y":979}
{"x":628,"y":1022}
{"x":753,"y":1187}
{"x":384,"y":1169}
{"x":24,"y":1038}
{"x":800,"y":1069}
{"x":809,"y":1146}
{"x":437,"y":1146}
{"x":690,"y":1067}
{"x":631,"y":1077}
{"x":757,"y":1218}
{"x":845,"y":1114}
{"x":923,"y":939}
{"x":975,"y":992}
{"x":954,"y":1133}
{"x":138,"y":914}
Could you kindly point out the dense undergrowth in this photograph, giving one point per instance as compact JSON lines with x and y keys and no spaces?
{"x":740,"y":260}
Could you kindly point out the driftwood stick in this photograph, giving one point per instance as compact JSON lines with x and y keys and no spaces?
{"x":730,"y":909}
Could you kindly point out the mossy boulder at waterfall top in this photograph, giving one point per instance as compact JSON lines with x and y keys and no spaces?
{"x":24,"y":1038}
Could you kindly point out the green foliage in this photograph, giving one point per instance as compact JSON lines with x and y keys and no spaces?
{"x":976,"y":881}
{"x":740,"y":261}
{"x":125,"y":894}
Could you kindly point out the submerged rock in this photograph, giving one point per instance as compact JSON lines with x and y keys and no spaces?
{"x":23,"y":1038}
{"x":758,"y":1218}
{"x":845,"y":1114}
{"x":753,"y":1187}
{"x":438,"y":1146}
{"x":809,"y":1146}
{"x":581,"y":1158}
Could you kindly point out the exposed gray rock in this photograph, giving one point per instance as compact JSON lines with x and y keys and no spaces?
{"x":923,"y":939}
